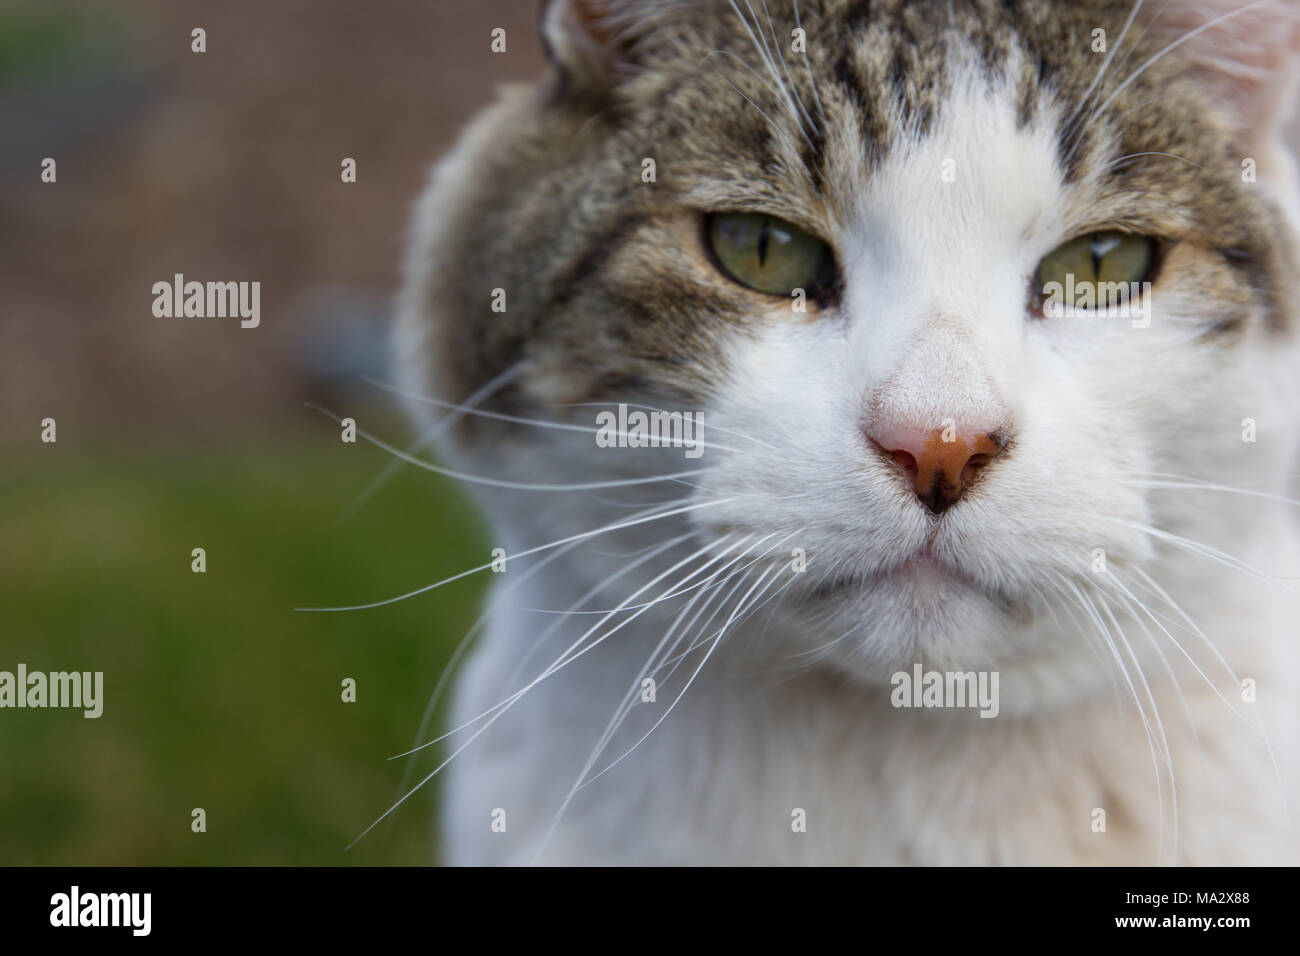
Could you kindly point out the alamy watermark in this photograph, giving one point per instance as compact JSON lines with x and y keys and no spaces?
{"x":75,"y":908}
{"x":82,"y":690}
{"x":635,"y":428}
{"x":1124,"y":300}
{"x":208,"y":300}
{"x":957,"y":689}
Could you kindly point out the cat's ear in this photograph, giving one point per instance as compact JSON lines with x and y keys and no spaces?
{"x":588,"y":40}
{"x":1245,"y":54}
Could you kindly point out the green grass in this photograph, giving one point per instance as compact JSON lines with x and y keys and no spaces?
{"x":217,"y":694}
{"x":38,"y":38}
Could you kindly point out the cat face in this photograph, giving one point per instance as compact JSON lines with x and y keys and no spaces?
{"x":831,"y":229}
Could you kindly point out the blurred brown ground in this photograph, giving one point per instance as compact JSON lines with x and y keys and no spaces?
{"x":222,"y":166}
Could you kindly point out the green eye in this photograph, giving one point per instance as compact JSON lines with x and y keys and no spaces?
{"x":770,"y":255}
{"x":1073,"y":271}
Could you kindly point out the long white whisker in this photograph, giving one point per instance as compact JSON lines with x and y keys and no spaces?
{"x":1173,"y":46}
{"x":477,"y":626}
{"x":505,"y":705}
{"x":677,"y":659}
{"x":1091,"y":609}
{"x":1205,"y":551}
{"x":716,"y":637}
{"x":495,"y":384}
{"x":1132,"y":604}
{"x":1105,"y":64}
{"x":591,"y":761}
{"x":1191,"y":484}
{"x":461,"y":648}
{"x":778,"y":55}
{"x":705,"y":584}
{"x":561,"y":661}
{"x":767,"y":61}
{"x":603,"y":585}
{"x":630,"y":698}
{"x":503,"y":483}
{"x":1156,"y":619}
{"x":522,"y":554}
{"x":653,"y":408}
{"x":821,"y":110}
{"x":1155,"y":714}
{"x":513,"y":419}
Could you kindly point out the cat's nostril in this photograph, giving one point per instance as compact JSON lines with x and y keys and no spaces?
{"x":972,"y":467}
{"x":907,"y":461}
{"x":939,"y":464}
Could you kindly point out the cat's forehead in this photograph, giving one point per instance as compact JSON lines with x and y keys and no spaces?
{"x":974,"y":185}
{"x":884,"y":69}
{"x":885,"y":99}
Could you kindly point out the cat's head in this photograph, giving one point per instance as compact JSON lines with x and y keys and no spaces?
{"x":832,"y":228}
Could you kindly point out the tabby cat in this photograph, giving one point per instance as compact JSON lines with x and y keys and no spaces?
{"x":988,"y":312}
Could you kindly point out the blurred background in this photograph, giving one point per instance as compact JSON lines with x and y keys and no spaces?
{"x":177,"y":434}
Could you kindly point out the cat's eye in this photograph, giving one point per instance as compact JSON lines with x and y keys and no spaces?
{"x":770,"y":255}
{"x":1079,"y":272}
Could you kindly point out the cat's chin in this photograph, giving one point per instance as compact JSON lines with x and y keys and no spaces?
{"x":926,"y":583}
{"x":922,"y":609}
{"x":870,"y":628}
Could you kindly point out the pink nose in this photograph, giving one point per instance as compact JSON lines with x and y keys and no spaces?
{"x":939,"y":471}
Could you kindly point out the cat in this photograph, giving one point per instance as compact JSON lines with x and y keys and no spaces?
{"x":836,"y":231}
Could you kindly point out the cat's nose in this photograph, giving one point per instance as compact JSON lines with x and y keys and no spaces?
{"x":940,"y":464}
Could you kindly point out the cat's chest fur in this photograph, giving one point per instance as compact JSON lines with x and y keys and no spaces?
{"x":756,"y":768}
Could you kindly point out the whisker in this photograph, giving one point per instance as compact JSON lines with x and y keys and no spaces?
{"x":461,"y":648}
{"x":564,"y":659}
{"x":1192,"y":484}
{"x":1173,"y":640}
{"x":1094,"y":643}
{"x":686,"y":590}
{"x":1205,"y":551}
{"x":1105,"y":64}
{"x":741,"y":613}
{"x":603,"y":585}
{"x":771,"y":66}
{"x":778,"y":55}
{"x":1102,"y":169}
{"x":504,"y":706}
{"x":652,"y":408}
{"x":678,"y":658}
{"x":502,"y":483}
{"x":812,"y":83}
{"x":1196,"y":629}
{"x":595,"y":589}
{"x":629,"y":699}
{"x":1131,"y":603}
{"x":495,"y":384}
{"x":522,"y":554}
{"x":1155,"y":715}
{"x":513,"y":419}
{"x":721,"y":632}
{"x":1191,"y":34}
{"x":1105,"y":633}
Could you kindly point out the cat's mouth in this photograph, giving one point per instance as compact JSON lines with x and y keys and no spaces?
{"x":925,"y":572}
